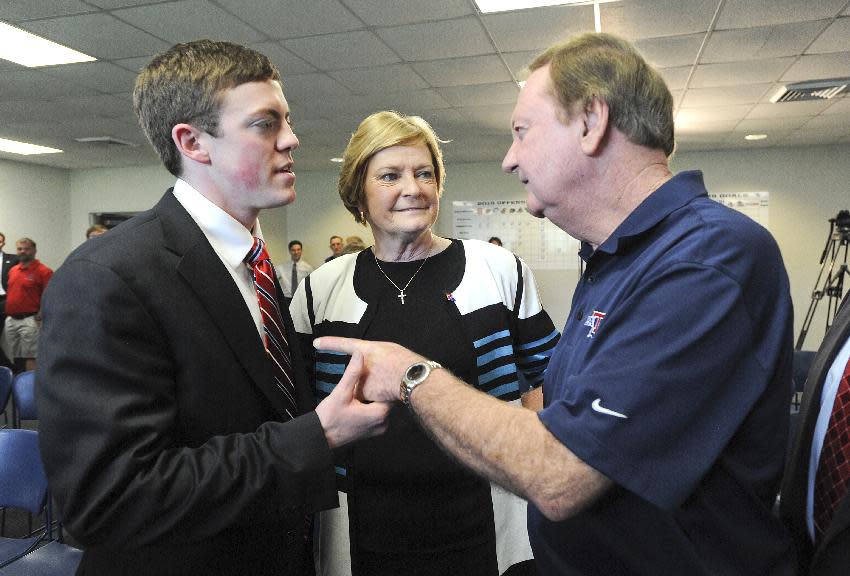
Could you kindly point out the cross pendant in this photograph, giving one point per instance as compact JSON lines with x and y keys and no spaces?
{"x":401,"y":296}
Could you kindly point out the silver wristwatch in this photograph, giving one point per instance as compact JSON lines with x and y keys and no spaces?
{"x":415,"y":376}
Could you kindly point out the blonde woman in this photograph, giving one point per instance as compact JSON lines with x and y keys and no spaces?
{"x":407,"y":507}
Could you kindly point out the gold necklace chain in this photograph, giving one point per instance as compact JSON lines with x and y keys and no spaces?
{"x":401,"y":295}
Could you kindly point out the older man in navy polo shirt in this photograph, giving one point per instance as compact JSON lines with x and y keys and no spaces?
{"x":661,"y":443}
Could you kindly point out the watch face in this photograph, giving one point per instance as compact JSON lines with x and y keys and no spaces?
{"x":415,"y":372}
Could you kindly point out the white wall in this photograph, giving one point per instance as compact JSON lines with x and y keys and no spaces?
{"x":34,"y":203}
{"x":807,"y":186}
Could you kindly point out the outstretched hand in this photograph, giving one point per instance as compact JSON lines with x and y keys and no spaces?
{"x":384,"y":365}
{"x":344,"y":418}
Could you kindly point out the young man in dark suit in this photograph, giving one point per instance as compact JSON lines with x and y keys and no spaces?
{"x":177,"y":428}
{"x":814,"y":501}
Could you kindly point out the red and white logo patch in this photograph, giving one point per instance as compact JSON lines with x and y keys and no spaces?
{"x":594,"y":320}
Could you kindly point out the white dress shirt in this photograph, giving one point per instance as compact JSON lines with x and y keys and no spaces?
{"x":284,"y":275}
{"x":230,"y":240}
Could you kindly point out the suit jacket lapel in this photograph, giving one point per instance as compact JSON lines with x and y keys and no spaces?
{"x":833,"y":341}
{"x":212,"y":284}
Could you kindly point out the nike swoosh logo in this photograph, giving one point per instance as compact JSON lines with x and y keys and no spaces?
{"x":598,"y":407}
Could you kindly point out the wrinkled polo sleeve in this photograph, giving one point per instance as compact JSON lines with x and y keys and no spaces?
{"x":677,"y":376}
{"x":111,"y":438}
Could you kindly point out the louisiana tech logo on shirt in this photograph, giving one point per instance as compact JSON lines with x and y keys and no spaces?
{"x":594,"y":320}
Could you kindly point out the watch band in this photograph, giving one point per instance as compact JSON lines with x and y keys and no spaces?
{"x":413,"y":377}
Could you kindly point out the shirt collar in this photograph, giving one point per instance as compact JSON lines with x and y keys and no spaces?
{"x":229,"y":238}
{"x":669,"y":197}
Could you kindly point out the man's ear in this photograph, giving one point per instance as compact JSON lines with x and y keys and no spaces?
{"x":595,"y":118}
{"x":187,"y":138}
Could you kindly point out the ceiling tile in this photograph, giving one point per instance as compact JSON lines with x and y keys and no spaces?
{"x":771,"y":125}
{"x":189,"y":20}
{"x":459,"y":71}
{"x":675,"y":77}
{"x":99,"y":35}
{"x":295,"y":18}
{"x":107,"y":105}
{"x":809,"y":138}
{"x":476,"y":148}
{"x":309,"y":88}
{"x":383,"y":13}
{"x":392,"y":78}
{"x":725,"y":95}
{"x":677,"y":98}
{"x":839,"y":106}
{"x":485,"y":119}
{"x":19,"y":11}
{"x":653,"y":18}
{"x":23,"y":111}
{"x":746,"y":13}
{"x":443,"y":120}
{"x":443,"y":39}
{"x":806,"y":136}
{"x":550,"y":25}
{"x":134,"y":65}
{"x":287,"y":62}
{"x":818,"y":66}
{"x":518,"y":62}
{"x":62,"y":134}
{"x":760,"y":43}
{"x":671,"y":51}
{"x":481,"y":94}
{"x":113,"y":4}
{"x":737,"y":73}
{"x":32,"y":84}
{"x":415,"y":102}
{"x":102,"y":76}
{"x":834,"y":39}
{"x":839,"y":125}
{"x":708,"y":120}
{"x":780,"y":109}
{"x":357,"y":49}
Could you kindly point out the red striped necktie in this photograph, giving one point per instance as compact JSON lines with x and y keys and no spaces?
{"x":275,"y":342}
{"x":833,"y":474}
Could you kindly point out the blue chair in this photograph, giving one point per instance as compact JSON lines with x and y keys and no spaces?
{"x":23,"y":398}
{"x":23,"y":484}
{"x":5,"y":391}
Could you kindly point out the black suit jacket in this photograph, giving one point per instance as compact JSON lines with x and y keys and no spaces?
{"x":160,"y":427}
{"x":832,"y":555}
{"x":9,"y":260}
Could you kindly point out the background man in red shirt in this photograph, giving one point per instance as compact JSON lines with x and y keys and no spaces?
{"x":27,"y":281}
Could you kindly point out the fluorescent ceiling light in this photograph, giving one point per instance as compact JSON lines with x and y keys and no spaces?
{"x":488,"y":6}
{"x":755,"y":136}
{"x":30,"y":50}
{"x":338,"y":160}
{"x":15,"y":147}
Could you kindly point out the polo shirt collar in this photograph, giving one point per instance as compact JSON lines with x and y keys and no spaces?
{"x":680,"y":190}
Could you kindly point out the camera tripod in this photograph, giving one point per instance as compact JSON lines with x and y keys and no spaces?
{"x":833,"y":261}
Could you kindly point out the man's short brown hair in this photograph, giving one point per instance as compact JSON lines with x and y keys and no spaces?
{"x":185,"y":85}
{"x":603,"y":66}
